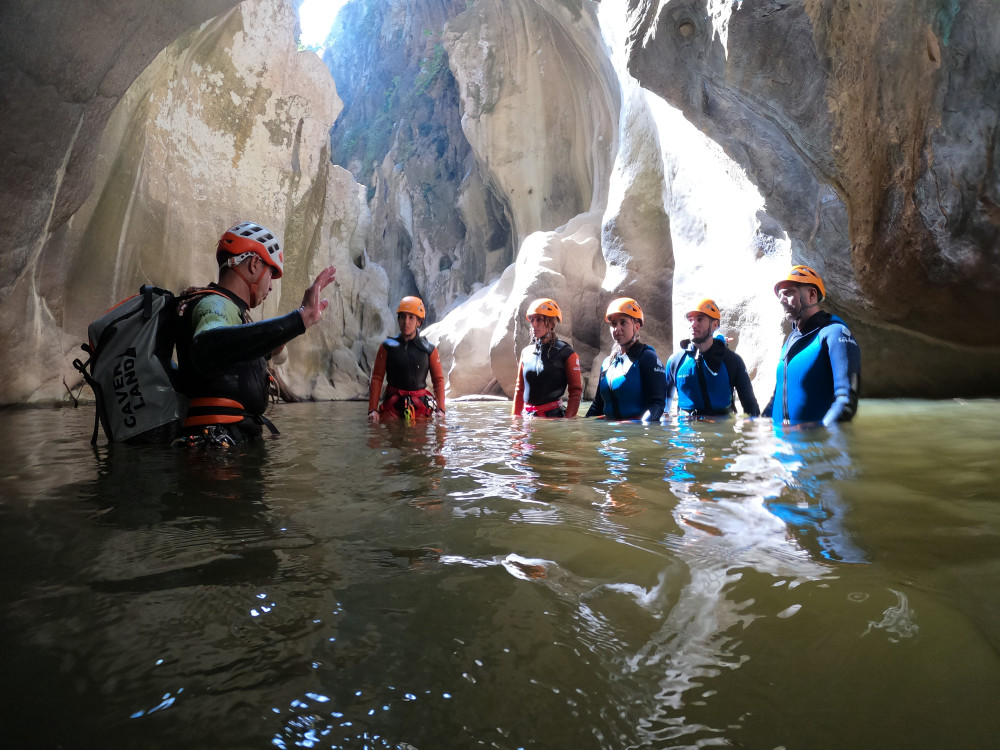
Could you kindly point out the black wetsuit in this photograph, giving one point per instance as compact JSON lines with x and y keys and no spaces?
{"x":229,"y":362}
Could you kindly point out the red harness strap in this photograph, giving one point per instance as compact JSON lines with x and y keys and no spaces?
{"x":395,"y":399}
{"x":542,"y":408}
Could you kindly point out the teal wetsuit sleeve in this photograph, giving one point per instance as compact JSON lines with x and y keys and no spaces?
{"x":221,"y":339}
{"x":845,"y":361}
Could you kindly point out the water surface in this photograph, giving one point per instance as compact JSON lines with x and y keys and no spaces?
{"x":506,"y":584}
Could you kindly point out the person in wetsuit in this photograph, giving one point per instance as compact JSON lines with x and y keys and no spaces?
{"x":633,"y":384}
{"x":222,"y":356}
{"x":819,"y":373}
{"x":547,"y":368}
{"x":705,"y":372}
{"x":405,"y":361}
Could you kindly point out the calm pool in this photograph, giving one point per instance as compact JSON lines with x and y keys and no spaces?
{"x":507,"y":584}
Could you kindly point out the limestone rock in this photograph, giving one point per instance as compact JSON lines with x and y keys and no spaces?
{"x":540,"y":109}
{"x":539,"y":105}
{"x":873,"y":155}
{"x":440,"y":231}
{"x":229,"y":123}
{"x":63,"y":67}
{"x":494,"y":152}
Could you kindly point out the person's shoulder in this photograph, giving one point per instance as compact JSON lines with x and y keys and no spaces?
{"x":836,"y":320}
{"x":421,"y":343}
{"x":836,"y":327}
{"x":730,"y":356}
{"x":648,"y":358}
{"x":647,"y":352}
{"x":210,"y":302}
{"x":561,"y":350}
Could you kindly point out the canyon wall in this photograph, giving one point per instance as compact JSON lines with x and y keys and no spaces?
{"x":229,"y":123}
{"x":870,"y":131}
{"x":491,"y":152}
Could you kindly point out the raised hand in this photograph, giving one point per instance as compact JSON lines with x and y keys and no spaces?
{"x":312,"y":305}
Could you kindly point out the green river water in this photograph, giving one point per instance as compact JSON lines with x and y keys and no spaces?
{"x":498,"y":583}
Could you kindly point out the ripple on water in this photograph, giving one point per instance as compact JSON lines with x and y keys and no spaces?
{"x":506,"y":583}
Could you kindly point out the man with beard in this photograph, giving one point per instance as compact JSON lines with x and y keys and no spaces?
{"x":706,"y":371}
{"x":819,"y":373}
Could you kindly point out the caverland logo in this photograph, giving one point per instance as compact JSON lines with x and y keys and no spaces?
{"x":128,"y":394}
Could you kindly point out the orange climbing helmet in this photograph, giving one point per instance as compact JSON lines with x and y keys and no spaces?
{"x":802,"y":275}
{"x":546,"y":307}
{"x":412,"y":305}
{"x":706,"y":307}
{"x":247,"y":239}
{"x":626,"y":306}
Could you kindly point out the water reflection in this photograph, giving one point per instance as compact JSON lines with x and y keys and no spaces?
{"x":766,"y":504}
{"x":816,"y":462}
{"x":620,"y":496}
{"x":503,"y":583}
{"x":414,"y":457}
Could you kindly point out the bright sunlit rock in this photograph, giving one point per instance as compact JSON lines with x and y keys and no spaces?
{"x":316,"y":17}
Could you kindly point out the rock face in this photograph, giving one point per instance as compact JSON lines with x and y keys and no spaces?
{"x":498,"y":151}
{"x":870,"y":131}
{"x":439,"y":229}
{"x":660,"y":194}
{"x":63,"y":67}
{"x":540,"y":104}
{"x":228,"y":123}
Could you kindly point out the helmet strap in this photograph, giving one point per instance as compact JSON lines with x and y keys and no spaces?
{"x":252,"y":284}
{"x":619,"y":351}
{"x":707,"y":336}
{"x":803,"y":310}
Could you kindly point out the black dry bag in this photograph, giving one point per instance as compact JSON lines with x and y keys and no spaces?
{"x":130,"y":369}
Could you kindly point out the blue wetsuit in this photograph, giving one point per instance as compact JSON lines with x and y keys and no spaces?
{"x":633,"y":385}
{"x":819,"y":374}
{"x":705,"y":381}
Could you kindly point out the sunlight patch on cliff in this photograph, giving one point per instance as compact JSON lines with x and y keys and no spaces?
{"x":315,"y":19}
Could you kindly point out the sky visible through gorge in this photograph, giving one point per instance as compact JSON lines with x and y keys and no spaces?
{"x":316,"y":18}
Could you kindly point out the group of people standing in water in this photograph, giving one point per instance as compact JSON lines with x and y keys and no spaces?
{"x":223,"y":356}
{"x":818,"y":374}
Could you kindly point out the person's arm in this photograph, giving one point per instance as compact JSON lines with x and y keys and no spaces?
{"x":597,"y":405}
{"x":766,"y":412}
{"x":574,"y":385}
{"x":375,"y":388}
{"x":740,"y":378}
{"x":654,"y":385}
{"x":221,"y":339}
{"x":437,"y":379}
{"x":845,"y":360}
{"x":518,"y":406}
{"x":313,"y":305}
{"x":673,"y":364}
